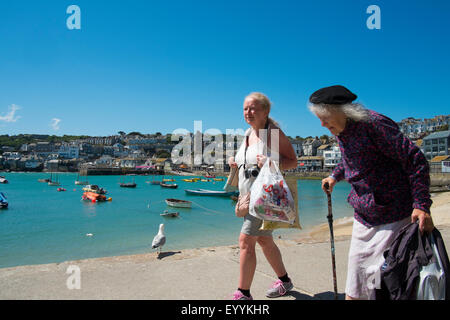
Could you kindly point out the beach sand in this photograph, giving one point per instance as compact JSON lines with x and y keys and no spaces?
{"x":199,"y":274}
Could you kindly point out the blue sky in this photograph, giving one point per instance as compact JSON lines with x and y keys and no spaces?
{"x":152,"y":66}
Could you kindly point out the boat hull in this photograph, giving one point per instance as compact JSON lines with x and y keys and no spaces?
{"x":204,"y":192}
{"x":179,"y":203}
{"x":169,"y":186}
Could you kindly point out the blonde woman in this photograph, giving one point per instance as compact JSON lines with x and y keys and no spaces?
{"x":251,"y":154}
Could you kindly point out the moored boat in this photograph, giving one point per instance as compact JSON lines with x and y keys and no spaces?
{"x":3,"y":179}
{"x":3,"y":201}
{"x":128,"y":185}
{"x":179,"y":203}
{"x":169,"y":185}
{"x":94,"y":197}
{"x":204,"y":192}
{"x":95,"y":189}
{"x":170,"y":214}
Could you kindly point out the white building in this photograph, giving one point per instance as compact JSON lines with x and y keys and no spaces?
{"x":332,"y":157}
{"x":69,"y":151}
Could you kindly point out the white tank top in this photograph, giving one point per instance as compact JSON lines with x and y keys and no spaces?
{"x":252,"y":150}
{"x":256,"y":148}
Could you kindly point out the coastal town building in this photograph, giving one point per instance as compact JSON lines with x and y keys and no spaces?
{"x":415,"y":128}
{"x":332,"y":157}
{"x":436,"y":144}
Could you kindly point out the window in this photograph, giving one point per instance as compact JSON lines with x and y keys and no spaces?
{"x":427,"y":142}
{"x":435,"y":149}
{"x":434,"y":141}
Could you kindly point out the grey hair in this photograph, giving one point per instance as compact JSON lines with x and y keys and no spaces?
{"x":354,"y":111}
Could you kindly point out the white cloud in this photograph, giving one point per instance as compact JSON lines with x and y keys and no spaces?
{"x":55,"y":124}
{"x":11,"y":115}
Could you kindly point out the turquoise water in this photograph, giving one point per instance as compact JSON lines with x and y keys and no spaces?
{"x":42,"y":225}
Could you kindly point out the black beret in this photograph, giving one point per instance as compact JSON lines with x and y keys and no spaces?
{"x":332,"y":95}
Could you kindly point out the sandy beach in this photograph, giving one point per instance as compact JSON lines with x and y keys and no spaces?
{"x":198,"y":274}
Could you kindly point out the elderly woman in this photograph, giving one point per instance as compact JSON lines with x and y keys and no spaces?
{"x":389,"y":176}
{"x":252,"y":153}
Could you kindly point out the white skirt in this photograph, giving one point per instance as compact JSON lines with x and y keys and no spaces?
{"x":365,"y":257}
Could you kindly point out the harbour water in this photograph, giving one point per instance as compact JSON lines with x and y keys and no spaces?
{"x":43,"y":225}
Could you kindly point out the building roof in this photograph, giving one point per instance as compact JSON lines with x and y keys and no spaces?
{"x":440,"y":158}
{"x":437,"y":135}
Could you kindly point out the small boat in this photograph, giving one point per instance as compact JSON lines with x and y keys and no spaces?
{"x":60,"y":189}
{"x":94,"y":197}
{"x":169,"y":180}
{"x":169,"y":185}
{"x":52,"y":182}
{"x":44,"y":180}
{"x":3,"y":201}
{"x":204,"y":192}
{"x":153,"y":181}
{"x":94,"y":188}
{"x":81,"y":182}
{"x":218,"y":179}
{"x":128,"y":185}
{"x":3,"y":179}
{"x":170,"y":214}
{"x":209,"y":177}
{"x":179,"y":203}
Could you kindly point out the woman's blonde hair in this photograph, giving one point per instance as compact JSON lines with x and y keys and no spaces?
{"x":264,"y":101}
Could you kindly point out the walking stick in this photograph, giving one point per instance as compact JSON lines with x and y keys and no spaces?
{"x":330,"y":224}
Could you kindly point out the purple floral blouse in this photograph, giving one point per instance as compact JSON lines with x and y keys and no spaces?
{"x":389,"y":174}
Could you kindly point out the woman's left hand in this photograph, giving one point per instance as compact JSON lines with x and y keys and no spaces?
{"x":425,"y":221}
{"x":260,"y":160}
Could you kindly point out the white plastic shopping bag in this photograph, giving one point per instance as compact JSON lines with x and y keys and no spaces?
{"x":432,"y":277}
{"x":270,"y":197}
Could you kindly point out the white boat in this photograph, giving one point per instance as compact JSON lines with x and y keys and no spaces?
{"x":81,"y":182}
{"x":52,"y":182}
{"x":3,"y":179}
{"x":179,"y":203}
{"x":204,"y":192}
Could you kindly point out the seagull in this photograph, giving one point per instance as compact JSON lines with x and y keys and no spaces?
{"x":160,"y":239}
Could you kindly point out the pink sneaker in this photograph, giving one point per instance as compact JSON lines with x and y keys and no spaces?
{"x":238,"y":295}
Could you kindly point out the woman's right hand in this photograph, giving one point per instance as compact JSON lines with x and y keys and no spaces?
{"x":331,"y":183}
{"x":232,"y":163}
